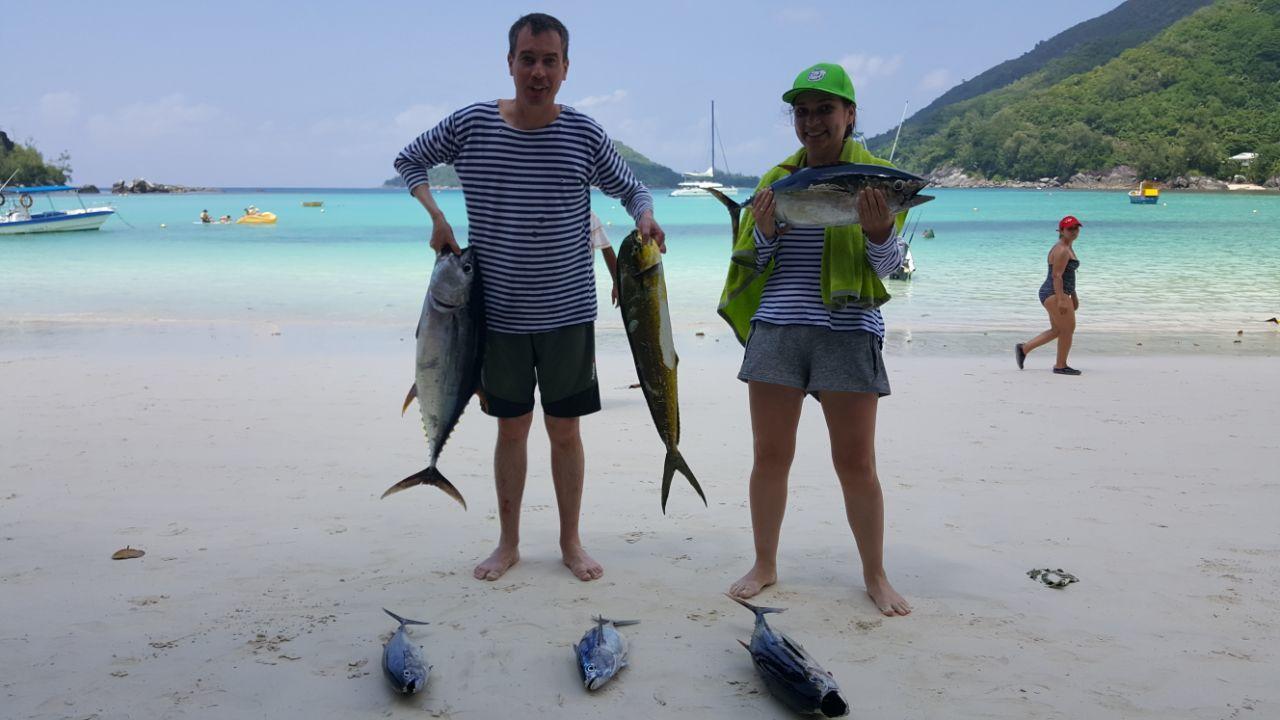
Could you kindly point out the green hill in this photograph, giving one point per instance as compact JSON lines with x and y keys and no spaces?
{"x":1205,"y":88}
{"x":649,"y":172}
{"x":28,"y":166}
{"x":1078,"y":49}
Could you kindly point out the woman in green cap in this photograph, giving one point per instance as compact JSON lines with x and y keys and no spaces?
{"x":804,"y":301}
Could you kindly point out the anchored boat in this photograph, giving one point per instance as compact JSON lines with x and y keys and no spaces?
{"x":16,"y":217}
{"x":1146,"y":194}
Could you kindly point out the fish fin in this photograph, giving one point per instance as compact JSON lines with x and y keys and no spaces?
{"x":404,"y":621}
{"x":616,"y":623}
{"x":754,"y":608}
{"x":428,"y":476}
{"x":675,"y":461}
{"x":735,"y":210}
{"x":413,"y":393}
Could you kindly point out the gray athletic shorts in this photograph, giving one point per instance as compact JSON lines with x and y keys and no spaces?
{"x":814,"y":359}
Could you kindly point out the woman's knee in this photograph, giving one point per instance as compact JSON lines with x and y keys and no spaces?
{"x":856,"y":470}
{"x":772,"y":453}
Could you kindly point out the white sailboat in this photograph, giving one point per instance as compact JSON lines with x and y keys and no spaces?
{"x":696,"y":183}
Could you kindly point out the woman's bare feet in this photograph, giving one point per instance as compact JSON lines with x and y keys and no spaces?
{"x":757,"y":579}
{"x":580,"y":563}
{"x":496,"y":564}
{"x":886,"y":598}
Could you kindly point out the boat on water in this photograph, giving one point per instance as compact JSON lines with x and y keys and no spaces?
{"x":16,"y":217}
{"x":908,"y":267}
{"x":313,"y":203}
{"x":1146,"y":194}
{"x":254,"y":216}
{"x":695,"y":184}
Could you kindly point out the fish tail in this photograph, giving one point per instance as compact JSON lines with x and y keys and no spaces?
{"x":735,"y":210}
{"x":413,"y":393}
{"x":405,"y":621}
{"x":755,"y":608}
{"x":428,"y":476}
{"x":675,"y":461}
{"x":602,"y":620}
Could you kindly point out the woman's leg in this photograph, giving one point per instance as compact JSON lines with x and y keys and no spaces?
{"x":1047,"y":336}
{"x":851,"y":422}
{"x":1066,"y":326}
{"x":775,"y":413}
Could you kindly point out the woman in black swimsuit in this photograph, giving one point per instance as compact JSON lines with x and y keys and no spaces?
{"x":1058,"y":296}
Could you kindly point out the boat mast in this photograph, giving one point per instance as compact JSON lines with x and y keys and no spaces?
{"x":713,"y":139}
{"x":895,"y":136}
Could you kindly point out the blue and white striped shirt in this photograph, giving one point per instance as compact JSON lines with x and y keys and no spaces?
{"x":528,"y":196}
{"x":793,"y":293}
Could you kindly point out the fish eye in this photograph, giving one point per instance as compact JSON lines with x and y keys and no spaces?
{"x":591,"y":668}
{"x":898,"y":185}
{"x":466,"y":267}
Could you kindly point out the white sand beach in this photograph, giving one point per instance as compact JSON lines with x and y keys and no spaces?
{"x":249,"y":469}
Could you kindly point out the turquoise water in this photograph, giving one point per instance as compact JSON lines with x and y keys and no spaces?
{"x":1196,"y":265}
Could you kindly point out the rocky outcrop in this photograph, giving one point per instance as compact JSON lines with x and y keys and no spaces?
{"x":88,"y":190}
{"x":141,"y":186}
{"x":1197,"y":182}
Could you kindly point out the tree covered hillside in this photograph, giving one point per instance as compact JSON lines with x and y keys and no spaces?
{"x":1078,"y":49}
{"x":1206,"y":88}
{"x":28,"y":167}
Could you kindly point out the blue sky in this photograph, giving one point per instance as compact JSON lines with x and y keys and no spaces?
{"x":325,"y":93}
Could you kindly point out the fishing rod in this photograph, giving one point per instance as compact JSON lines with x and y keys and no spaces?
{"x":6,"y":182}
{"x":895,"y":135}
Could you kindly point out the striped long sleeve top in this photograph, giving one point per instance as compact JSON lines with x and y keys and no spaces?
{"x":793,"y":293}
{"x":528,"y":208}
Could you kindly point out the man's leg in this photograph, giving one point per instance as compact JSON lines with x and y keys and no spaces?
{"x":568,"y":465}
{"x":510,"y":463}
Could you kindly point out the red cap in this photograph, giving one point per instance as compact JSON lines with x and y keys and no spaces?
{"x":1069,"y":221}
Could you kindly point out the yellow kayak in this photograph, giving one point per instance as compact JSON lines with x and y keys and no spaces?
{"x":262,"y":218}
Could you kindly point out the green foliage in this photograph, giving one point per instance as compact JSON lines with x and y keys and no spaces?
{"x":30,"y":165}
{"x":1078,"y":49}
{"x":1203,"y":90}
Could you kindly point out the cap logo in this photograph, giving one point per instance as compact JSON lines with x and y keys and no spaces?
{"x":816,"y":75}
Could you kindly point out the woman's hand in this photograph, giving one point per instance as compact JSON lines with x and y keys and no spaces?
{"x":1064,"y":304}
{"x":762,"y":207}
{"x":1075,"y":302}
{"x":874,"y":216}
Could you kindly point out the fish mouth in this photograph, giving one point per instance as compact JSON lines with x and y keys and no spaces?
{"x":833,"y":705}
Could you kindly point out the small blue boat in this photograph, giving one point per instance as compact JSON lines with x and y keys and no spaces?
{"x":16,"y":217}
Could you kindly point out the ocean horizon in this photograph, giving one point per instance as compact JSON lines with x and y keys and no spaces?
{"x":1186,"y":275}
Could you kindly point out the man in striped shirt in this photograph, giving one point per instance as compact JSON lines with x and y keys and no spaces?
{"x":527,"y":166}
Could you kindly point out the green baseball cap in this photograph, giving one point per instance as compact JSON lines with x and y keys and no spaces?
{"x":823,"y":77}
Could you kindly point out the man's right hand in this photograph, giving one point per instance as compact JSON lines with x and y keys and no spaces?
{"x":442,"y":237}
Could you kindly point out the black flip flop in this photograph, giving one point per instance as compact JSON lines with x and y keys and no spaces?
{"x":1019,"y":355}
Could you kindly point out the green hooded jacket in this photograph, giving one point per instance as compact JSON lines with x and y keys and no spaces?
{"x":847,"y":276}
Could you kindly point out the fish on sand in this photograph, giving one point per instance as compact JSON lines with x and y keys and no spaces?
{"x":790,"y":673}
{"x":402,"y":661}
{"x":602,"y":652}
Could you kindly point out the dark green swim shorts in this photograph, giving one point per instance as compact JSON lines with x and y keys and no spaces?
{"x":561,"y":363}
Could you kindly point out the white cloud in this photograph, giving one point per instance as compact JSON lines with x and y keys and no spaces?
{"x":934,"y":80}
{"x":143,"y":122}
{"x":798,"y":15}
{"x":419,"y":119}
{"x":592,"y":101}
{"x":59,"y":107}
{"x":865,"y":69}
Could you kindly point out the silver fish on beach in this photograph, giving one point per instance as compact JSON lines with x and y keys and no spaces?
{"x":450,"y":354}
{"x":402,"y":661}
{"x":790,"y":673}
{"x":602,"y":652}
{"x":827,"y":196}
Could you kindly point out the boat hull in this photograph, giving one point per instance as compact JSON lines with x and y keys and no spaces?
{"x":57,"y":222}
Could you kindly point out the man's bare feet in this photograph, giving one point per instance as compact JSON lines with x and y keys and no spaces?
{"x":886,"y":598}
{"x":757,"y":579}
{"x":496,"y":564}
{"x":580,"y":563}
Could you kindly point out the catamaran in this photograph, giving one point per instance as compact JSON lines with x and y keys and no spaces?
{"x":696,"y":183}
{"x":16,"y":217}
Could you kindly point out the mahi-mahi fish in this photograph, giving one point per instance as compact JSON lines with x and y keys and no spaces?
{"x":827,"y":196}
{"x":602,"y":652}
{"x":642,"y":297}
{"x":790,"y":673}
{"x":402,"y":661}
{"x":450,"y":354}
